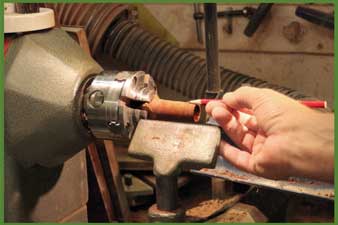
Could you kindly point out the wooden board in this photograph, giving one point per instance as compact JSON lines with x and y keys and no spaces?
{"x":117,"y":181}
{"x":310,"y":74}
{"x":101,"y":181}
{"x":178,"y":19}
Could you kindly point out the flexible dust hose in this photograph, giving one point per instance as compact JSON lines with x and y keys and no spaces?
{"x":173,"y":67}
{"x":108,"y":28}
{"x":95,"y":18}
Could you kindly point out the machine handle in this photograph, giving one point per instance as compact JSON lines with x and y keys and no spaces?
{"x":257,"y":18}
{"x":316,"y":17}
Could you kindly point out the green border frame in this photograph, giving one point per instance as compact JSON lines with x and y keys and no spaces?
{"x":145,"y":2}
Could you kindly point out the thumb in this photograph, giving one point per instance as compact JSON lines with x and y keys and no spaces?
{"x":243,"y":97}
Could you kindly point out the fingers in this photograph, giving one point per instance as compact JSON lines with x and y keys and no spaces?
{"x":211,"y":105}
{"x":255,"y":164}
{"x":244,"y":97}
{"x":258,"y":142}
{"x":240,"y":159}
{"x":239,"y":126}
{"x":233,"y":127}
{"x":247,"y":120}
{"x":222,"y":115}
{"x":247,"y":111}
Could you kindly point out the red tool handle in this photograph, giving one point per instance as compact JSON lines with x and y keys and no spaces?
{"x":311,"y":104}
{"x":314,"y":104}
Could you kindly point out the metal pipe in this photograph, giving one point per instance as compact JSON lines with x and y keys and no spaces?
{"x":211,"y":45}
{"x":257,"y":18}
{"x":166,"y":193}
{"x":172,"y":110}
{"x":198,"y":23}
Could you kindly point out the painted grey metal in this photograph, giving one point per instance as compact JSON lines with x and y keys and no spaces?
{"x":41,"y":194}
{"x":44,"y":77}
{"x":226,"y":171}
{"x":167,"y":193}
{"x":172,"y":145}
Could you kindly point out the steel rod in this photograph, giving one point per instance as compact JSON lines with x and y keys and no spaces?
{"x":211,"y":45}
{"x":166,"y":193}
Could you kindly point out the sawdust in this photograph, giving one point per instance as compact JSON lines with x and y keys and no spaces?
{"x":226,"y":173}
{"x":330,"y":195}
{"x":234,"y":217}
{"x":206,"y":209}
{"x":298,"y":181}
{"x":293,"y":180}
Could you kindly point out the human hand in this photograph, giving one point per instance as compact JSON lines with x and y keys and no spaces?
{"x":276,"y":136}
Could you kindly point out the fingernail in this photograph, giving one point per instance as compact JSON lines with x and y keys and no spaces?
{"x":245,"y":129}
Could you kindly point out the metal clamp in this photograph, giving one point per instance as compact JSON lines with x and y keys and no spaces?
{"x":173,"y":146}
{"x":111,"y":101}
{"x":255,"y":16}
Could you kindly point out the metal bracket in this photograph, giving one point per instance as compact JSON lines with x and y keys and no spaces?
{"x":255,"y":16}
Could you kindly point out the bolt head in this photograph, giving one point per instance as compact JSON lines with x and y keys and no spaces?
{"x":96,"y":99}
{"x":128,"y":179}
